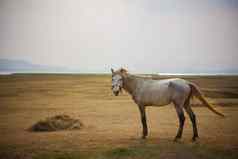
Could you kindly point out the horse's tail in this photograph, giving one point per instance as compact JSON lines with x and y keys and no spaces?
{"x":195,"y":91}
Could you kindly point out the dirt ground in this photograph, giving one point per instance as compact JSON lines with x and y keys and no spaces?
{"x":109,"y":121}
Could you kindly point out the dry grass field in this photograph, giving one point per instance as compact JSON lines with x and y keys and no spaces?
{"x":112,"y":125}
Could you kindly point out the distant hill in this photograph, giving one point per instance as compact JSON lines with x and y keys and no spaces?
{"x":21,"y":66}
{"x":8,"y":66}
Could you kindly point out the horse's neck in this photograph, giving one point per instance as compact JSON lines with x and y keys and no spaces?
{"x":130,"y":83}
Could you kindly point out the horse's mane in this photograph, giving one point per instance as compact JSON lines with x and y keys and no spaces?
{"x":139,"y":76}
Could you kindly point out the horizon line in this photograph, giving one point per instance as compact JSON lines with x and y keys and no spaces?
{"x":107,"y":73}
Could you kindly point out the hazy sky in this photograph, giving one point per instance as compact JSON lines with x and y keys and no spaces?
{"x":143,"y":35}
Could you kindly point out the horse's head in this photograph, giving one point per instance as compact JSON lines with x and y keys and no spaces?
{"x":117,"y":80}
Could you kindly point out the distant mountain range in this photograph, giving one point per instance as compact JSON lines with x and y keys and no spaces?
{"x":8,"y":66}
{"x":21,"y":66}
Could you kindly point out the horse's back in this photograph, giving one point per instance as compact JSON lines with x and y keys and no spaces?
{"x":155,"y":92}
{"x":162,"y":92}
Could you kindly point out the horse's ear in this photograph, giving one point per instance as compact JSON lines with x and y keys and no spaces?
{"x":112,"y":70}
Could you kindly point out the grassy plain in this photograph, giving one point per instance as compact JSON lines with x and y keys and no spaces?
{"x":112,"y":126}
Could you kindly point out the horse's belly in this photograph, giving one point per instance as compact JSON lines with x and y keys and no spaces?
{"x":161,"y":102}
{"x":157,"y":98}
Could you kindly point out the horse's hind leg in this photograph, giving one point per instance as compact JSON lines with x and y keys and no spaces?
{"x":192,"y":117}
{"x":181,"y":117}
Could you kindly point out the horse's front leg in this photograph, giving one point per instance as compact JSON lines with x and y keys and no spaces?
{"x":181,"y":117}
{"x":143,"y":121}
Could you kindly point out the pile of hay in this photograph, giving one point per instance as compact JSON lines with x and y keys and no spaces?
{"x":55,"y":123}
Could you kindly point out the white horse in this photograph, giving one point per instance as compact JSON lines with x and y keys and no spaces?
{"x":149,"y":92}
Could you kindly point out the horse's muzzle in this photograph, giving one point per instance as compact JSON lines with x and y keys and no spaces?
{"x":116,"y":93}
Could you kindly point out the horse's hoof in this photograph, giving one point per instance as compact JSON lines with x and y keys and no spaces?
{"x":176,"y":139}
{"x":143,"y":137}
{"x":194,"y":139}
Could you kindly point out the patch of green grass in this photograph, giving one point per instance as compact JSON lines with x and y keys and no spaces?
{"x":121,"y":152}
{"x":58,"y":156}
{"x":7,"y":148}
{"x":140,"y":151}
{"x":208,"y":152}
{"x":144,"y":152}
{"x":170,"y":150}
